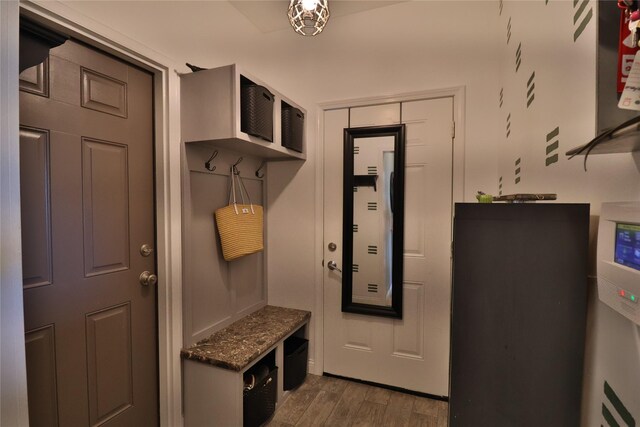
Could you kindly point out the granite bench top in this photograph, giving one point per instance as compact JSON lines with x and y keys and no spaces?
{"x":246,"y":339}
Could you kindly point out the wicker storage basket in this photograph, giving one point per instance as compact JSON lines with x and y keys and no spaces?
{"x":259,"y":403}
{"x":296,"y":352}
{"x":292,"y":127}
{"x":256,"y":111}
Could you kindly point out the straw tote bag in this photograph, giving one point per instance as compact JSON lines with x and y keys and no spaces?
{"x":239,"y":225}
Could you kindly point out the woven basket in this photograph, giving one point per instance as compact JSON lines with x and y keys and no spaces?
{"x":259,"y":403}
{"x":292,"y":127}
{"x":256,"y":111}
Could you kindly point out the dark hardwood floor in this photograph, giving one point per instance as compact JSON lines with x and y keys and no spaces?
{"x":326,"y":401}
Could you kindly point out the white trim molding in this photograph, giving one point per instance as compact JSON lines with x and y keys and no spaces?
{"x":13,"y":370}
{"x":167,"y":183}
{"x":458,"y":95}
{"x":317,"y":367}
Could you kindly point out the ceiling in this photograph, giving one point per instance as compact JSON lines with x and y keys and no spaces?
{"x":271,"y":15}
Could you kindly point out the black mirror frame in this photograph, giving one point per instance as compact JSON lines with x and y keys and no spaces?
{"x":398,"y":133}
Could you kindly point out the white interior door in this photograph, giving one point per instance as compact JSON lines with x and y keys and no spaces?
{"x":412,"y":353}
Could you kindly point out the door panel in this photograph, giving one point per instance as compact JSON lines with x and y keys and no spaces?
{"x":413,"y":352}
{"x":36,"y":79}
{"x":105,"y":197}
{"x":416,"y":129}
{"x":414,"y":242}
{"x":408,"y":336}
{"x":103,"y":93}
{"x":358,"y":334}
{"x":35,"y":197}
{"x":374,"y":115}
{"x":110,"y":375}
{"x":87,"y":183}
{"x":41,"y":377}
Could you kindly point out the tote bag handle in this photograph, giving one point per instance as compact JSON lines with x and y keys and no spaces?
{"x":232,"y":190}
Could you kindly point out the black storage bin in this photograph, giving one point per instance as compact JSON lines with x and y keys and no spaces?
{"x":256,"y":110}
{"x":292,"y":127}
{"x":296,"y":352}
{"x":259,"y":403}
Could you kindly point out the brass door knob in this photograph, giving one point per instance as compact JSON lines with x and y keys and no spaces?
{"x":148,"y":279}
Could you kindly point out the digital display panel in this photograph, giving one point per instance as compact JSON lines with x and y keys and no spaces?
{"x":628,"y":245}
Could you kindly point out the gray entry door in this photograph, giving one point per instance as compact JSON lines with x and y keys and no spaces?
{"x":86,"y":162}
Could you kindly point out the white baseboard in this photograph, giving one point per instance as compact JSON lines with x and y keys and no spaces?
{"x":312,"y":367}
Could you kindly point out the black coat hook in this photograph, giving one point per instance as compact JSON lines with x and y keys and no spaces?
{"x":259,"y":169}
{"x":208,"y":162}
{"x":235,"y":168}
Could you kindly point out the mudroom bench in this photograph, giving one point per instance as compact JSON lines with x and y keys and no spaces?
{"x":215,"y":370}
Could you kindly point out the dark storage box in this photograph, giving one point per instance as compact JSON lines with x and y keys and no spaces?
{"x":256,"y":110}
{"x":292,"y":127}
{"x":296,"y":352}
{"x":259,"y":403}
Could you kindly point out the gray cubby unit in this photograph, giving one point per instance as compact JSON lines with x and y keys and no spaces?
{"x":213,"y":368}
{"x":211,"y":114}
{"x":216,"y":292}
{"x":228,"y":327}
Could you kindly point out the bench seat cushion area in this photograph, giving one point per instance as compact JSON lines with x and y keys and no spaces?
{"x":240,"y":343}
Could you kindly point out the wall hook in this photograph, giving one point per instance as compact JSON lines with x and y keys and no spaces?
{"x":208,"y":162}
{"x":260,"y":168}
{"x":235,"y":169}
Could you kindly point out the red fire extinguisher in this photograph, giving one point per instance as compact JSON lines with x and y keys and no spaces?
{"x":628,"y":41}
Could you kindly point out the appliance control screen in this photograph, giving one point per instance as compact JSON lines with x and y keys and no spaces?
{"x":627,"y":250}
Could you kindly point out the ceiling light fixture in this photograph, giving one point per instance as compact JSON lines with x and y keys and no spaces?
{"x":308,"y":17}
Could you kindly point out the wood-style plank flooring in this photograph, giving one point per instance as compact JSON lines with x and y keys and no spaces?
{"x":327,"y":401}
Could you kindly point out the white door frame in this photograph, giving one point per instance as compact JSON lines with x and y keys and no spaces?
{"x":168,"y":200}
{"x":458,"y":94}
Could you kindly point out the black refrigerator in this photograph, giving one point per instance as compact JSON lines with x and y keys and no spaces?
{"x":518,"y":314}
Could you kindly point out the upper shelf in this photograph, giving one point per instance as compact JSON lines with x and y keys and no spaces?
{"x":624,"y":140}
{"x":210,"y":114}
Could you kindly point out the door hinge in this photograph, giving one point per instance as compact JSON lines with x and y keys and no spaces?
{"x":453,"y":129}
